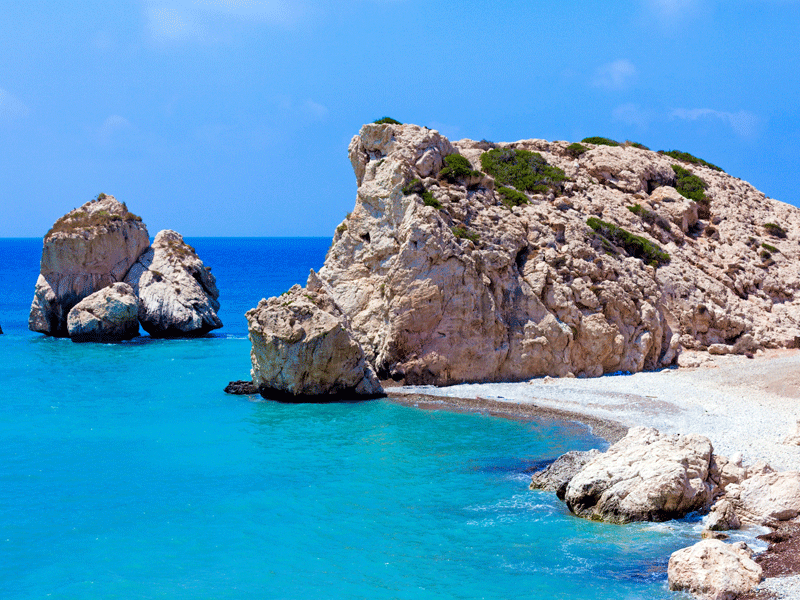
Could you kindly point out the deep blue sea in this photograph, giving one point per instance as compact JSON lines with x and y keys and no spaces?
{"x":126,"y":472}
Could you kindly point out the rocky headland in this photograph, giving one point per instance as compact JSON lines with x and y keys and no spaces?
{"x":100,"y":277}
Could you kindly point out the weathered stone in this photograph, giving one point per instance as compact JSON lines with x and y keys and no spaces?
{"x":556,"y":476}
{"x":765,"y":497}
{"x":714,"y":570}
{"x":722,"y":517}
{"x":302,"y":349}
{"x":108,"y":315}
{"x":177,"y":293}
{"x":646,"y":476}
{"x":87,"y":249}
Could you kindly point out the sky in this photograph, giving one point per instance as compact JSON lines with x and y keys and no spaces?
{"x":233,"y":117}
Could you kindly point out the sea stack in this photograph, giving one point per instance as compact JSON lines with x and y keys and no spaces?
{"x":478,"y":261}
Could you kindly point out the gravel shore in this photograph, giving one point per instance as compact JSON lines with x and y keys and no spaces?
{"x":746,"y":406}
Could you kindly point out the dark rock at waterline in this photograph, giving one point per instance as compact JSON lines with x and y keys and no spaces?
{"x":351,"y":394}
{"x":556,"y":476}
{"x":242,"y":388}
{"x":1,"y":330}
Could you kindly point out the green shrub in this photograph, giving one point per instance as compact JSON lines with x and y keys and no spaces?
{"x":464,"y":233}
{"x":692,"y":187}
{"x":599,"y":141}
{"x":100,"y":196}
{"x":636,"y":145}
{"x":769,"y":247}
{"x":522,"y":169}
{"x":429,"y":200}
{"x":511,"y":197}
{"x":634,"y":245}
{"x":765,"y":254}
{"x":688,"y":158}
{"x":387,"y":121}
{"x":576,"y":149}
{"x":775,"y":230}
{"x":457,"y":167}
{"x":650,"y":217}
{"x":413,"y":187}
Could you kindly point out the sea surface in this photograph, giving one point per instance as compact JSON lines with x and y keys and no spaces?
{"x":126,"y":472}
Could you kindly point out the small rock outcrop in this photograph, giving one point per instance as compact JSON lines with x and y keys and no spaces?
{"x":766,"y":497}
{"x":646,"y":476}
{"x":722,"y":517}
{"x":108,"y":315}
{"x":714,"y":570}
{"x":177,"y":293}
{"x":303,"y":350}
{"x":241,"y":388}
{"x":556,"y":476}
{"x":87,"y":249}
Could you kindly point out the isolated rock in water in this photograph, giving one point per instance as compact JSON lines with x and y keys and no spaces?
{"x":646,"y":476}
{"x":722,"y":517}
{"x":108,"y":315}
{"x":241,"y":388}
{"x":302,"y":348}
{"x":714,"y":570}
{"x":762,"y":498}
{"x":177,"y":293}
{"x":556,"y":476}
{"x":87,"y":249}
{"x":448,"y":278}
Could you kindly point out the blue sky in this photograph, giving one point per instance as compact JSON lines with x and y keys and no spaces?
{"x":232,"y":117}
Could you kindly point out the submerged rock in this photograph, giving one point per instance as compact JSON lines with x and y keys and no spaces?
{"x":177,"y":293}
{"x":302,"y":349}
{"x":714,"y":570}
{"x":108,"y":315}
{"x":87,"y":249}
{"x":646,"y":476}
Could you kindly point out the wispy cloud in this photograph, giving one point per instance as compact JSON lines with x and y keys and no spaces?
{"x":112,"y":126}
{"x":306,"y":111}
{"x":11,"y":107}
{"x":632,"y":114}
{"x":615,"y":75}
{"x":744,"y":123}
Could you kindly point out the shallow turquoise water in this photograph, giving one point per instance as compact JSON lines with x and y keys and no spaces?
{"x":126,"y":472}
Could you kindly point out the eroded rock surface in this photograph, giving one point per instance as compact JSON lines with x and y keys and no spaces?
{"x":714,"y":570}
{"x":177,"y":293}
{"x":766,"y":497}
{"x":556,"y":476}
{"x":302,"y":349}
{"x":646,"y":476}
{"x":87,"y":249}
{"x":108,"y":315}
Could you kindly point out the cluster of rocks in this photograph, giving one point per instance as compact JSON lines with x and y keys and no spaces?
{"x":100,"y":278}
{"x":439,"y":281}
{"x":650,"y":476}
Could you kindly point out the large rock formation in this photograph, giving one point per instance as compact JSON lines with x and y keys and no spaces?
{"x":108,"y":315}
{"x":302,"y":349}
{"x":87,"y":249}
{"x":445,"y":277}
{"x":713,"y":570}
{"x":177,"y":293}
{"x":646,"y":476}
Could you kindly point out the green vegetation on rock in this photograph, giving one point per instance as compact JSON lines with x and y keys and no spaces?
{"x":769,"y":247}
{"x":775,"y":230}
{"x":387,"y":121}
{"x":429,"y":200}
{"x":636,"y":145}
{"x":457,"y":167}
{"x":599,"y":141}
{"x":689,"y":158}
{"x":650,"y":217}
{"x":522,"y":169}
{"x":511,"y":197}
{"x":634,"y":245}
{"x":413,"y":187}
{"x":79,"y":221}
{"x":576,"y":149}
{"x":692,"y":187}
{"x":464,"y":233}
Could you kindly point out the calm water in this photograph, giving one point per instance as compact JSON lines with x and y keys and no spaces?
{"x":126,"y":472}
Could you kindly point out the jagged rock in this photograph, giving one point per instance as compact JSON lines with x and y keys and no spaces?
{"x":241,"y":388}
{"x":646,"y":476}
{"x":722,"y":517}
{"x":177,"y":293}
{"x":87,"y":249}
{"x":556,"y":476}
{"x":714,"y":570}
{"x":108,"y":315}
{"x":302,"y":349}
{"x":765,"y":497}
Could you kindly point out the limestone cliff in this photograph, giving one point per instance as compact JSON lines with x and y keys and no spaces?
{"x":447,"y":276}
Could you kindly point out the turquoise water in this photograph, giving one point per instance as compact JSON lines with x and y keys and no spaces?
{"x":126,"y":472}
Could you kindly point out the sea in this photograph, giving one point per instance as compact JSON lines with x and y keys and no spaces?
{"x":127,"y":473}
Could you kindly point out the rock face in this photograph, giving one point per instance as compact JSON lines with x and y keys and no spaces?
{"x":302,"y":349}
{"x":646,"y":476}
{"x":177,"y":293}
{"x":442,"y":282}
{"x":763,"y":498}
{"x":557,"y":476}
{"x":108,"y":315}
{"x":87,"y":249}
{"x":714,"y":570}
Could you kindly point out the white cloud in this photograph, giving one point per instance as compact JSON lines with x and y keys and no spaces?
{"x":744,"y":123}
{"x":11,"y":107}
{"x":615,"y":75}
{"x":632,"y":114}
{"x":111,"y":126}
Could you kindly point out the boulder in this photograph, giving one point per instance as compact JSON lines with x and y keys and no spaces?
{"x":556,"y":476}
{"x":108,"y":315}
{"x":302,"y":349}
{"x":177,"y":293}
{"x":762,"y":498}
{"x":714,"y":570}
{"x":241,"y":388}
{"x":722,"y":517}
{"x":646,"y":476}
{"x":86,"y":250}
